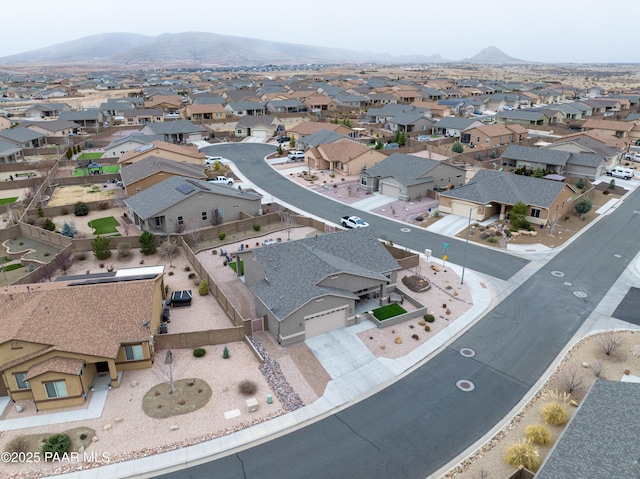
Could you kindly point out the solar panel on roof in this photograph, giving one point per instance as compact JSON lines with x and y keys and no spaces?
{"x":185,"y":188}
{"x":144,"y":148}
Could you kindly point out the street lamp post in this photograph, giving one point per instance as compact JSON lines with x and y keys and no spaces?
{"x":466,"y":244}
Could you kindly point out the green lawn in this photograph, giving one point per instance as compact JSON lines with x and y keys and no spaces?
{"x":388,"y":311}
{"x":104,"y":226}
{"x":11,"y":267}
{"x":105,"y":169}
{"x":91,"y":156}
{"x":4,"y":201}
{"x":233,"y":267}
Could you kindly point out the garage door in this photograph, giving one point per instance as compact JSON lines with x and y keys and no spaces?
{"x":325,"y":322}
{"x":460,"y":209}
{"x":392,"y":191}
{"x":259,"y":133}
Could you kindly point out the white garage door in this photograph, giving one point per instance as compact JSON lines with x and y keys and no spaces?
{"x":392,"y":191}
{"x":259,"y":133}
{"x":460,"y":209}
{"x":325,"y":322}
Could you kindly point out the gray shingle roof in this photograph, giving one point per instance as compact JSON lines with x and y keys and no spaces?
{"x":586,"y":159}
{"x":7,"y":148}
{"x":251,"y":120}
{"x":455,"y":122}
{"x":528,"y":115}
{"x":20,"y":135}
{"x":488,"y":186}
{"x":321,"y":137}
{"x":135,"y":138}
{"x":153,"y":164}
{"x":154,"y":200}
{"x":294,"y":269}
{"x":407,"y":169}
{"x":602,"y":438}
{"x":173,"y":127}
{"x":536,"y":155}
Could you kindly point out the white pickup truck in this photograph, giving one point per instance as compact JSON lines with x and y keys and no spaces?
{"x":353,"y":222}
{"x":221,"y":180}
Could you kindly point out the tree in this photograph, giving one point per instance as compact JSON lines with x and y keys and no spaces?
{"x":170,"y":370}
{"x":216,"y":217}
{"x":346,"y":122}
{"x":583,"y":206}
{"x":612,"y":184}
{"x":80,"y":209}
{"x":147,"y":243}
{"x":68,"y":229}
{"x":68,"y":154}
{"x":580,"y":183}
{"x":457,"y":147}
{"x":48,"y":225}
{"x":517,"y":216}
{"x":193,"y":230}
{"x":538,"y":173}
{"x":292,"y":141}
{"x":168,"y":249}
{"x":379,"y":145}
{"x":101,"y":247}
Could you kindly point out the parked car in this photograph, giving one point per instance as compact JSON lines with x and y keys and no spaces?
{"x":221,"y":180}
{"x":632,"y":156}
{"x":210,"y":160}
{"x":283,"y":139}
{"x":620,"y":172}
{"x":296,"y":155}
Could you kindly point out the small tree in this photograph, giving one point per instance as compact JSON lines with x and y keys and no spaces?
{"x":292,"y":141}
{"x":457,"y":147}
{"x":168,"y":249}
{"x":48,"y":224}
{"x":57,"y":445}
{"x":608,"y":343}
{"x":517,"y":216}
{"x":124,"y":249}
{"x":379,"y":145}
{"x":580,"y":183}
{"x":583,"y":206}
{"x":225,"y":353}
{"x":493,"y":155}
{"x":612,"y":184}
{"x":68,"y":229}
{"x":68,"y":154}
{"x":147,"y":243}
{"x":203,"y":288}
{"x":570,"y":380}
{"x":101,"y":247}
{"x":80,"y":209}
{"x":40,"y":211}
{"x":538,"y":173}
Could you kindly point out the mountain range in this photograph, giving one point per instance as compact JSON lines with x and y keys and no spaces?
{"x":210,"y":50}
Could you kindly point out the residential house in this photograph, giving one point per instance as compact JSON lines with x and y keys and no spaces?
{"x":176,"y":204}
{"x":309,"y":127}
{"x":619,"y":129}
{"x":45,"y":111}
{"x":169,"y":104}
{"x":487,"y":136}
{"x":318,"y":102}
{"x":86,"y":118}
{"x":377,"y":99}
{"x":318,"y":138}
{"x":152,"y":170}
{"x":205,"y":111}
{"x":346,"y":102}
{"x":453,"y":126}
{"x":263,"y":126}
{"x":162,"y":149}
{"x":407,"y":177}
{"x":10,"y":152}
{"x":411,"y":123}
{"x":285,"y":106}
{"x":245,"y":108}
{"x":142,"y":116}
{"x":315,"y":285}
{"x":585,"y":144}
{"x":493,"y":192}
{"x":567,"y":162}
{"x":120,"y":146}
{"x":344,"y":156}
{"x":522,"y":117}
{"x":600,"y":439}
{"x":177,"y":131}
{"x":56,"y":338}
{"x":54,"y":128}
{"x":24,"y":137}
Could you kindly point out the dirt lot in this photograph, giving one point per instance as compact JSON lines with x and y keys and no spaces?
{"x":69,"y":195}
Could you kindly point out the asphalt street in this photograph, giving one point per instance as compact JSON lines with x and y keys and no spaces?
{"x":249,"y":158}
{"x":417,"y":425}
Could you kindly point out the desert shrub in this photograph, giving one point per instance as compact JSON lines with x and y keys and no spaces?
{"x":538,"y":434}
{"x":247,"y":387}
{"x":80,"y":209}
{"x":40,"y":211}
{"x":225,"y":353}
{"x":221,"y":235}
{"x":199,"y":352}
{"x":427,"y":328}
{"x":203,"y":287}
{"x":64,"y":211}
{"x":57,"y":444}
{"x":256,"y":227}
{"x":429,"y":318}
{"x":18,"y":444}
{"x":191,"y":275}
{"x":492,"y":239}
{"x":555,"y":414}
{"x":103,"y":205}
{"x":523,"y":454}
{"x":187,"y":268}
{"x":124,"y":249}
{"x":420,"y":218}
{"x":48,"y":224}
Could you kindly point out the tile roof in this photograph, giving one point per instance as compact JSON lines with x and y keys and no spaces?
{"x":295,"y":269}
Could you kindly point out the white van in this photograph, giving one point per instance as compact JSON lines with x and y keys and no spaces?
{"x":620,"y":172}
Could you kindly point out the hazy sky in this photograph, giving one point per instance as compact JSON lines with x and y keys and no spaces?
{"x":539,"y":30}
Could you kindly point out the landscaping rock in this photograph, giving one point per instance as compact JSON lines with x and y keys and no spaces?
{"x":107,"y":427}
{"x":80,"y":449}
{"x":573,"y":403}
{"x":134,"y":384}
{"x":398,"y":340}
{"x":94,"y":439}
{"x":118,"y":420}
{"x":174,"y":427}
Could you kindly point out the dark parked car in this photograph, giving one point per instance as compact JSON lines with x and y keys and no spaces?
{"x":283,"y":139}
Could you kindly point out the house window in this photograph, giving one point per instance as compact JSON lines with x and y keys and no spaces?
{"x":204,"y":216}
{"x":134,"y":352}
{"x":21,"y":383}
{"x":56,"y":389}
{"x":535,"y":212}
{"x":180,"y":220}
{"x":363,"y":181}
{"x":239,"y":132}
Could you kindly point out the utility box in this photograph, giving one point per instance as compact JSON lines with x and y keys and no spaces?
{"x":269,"y":399}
